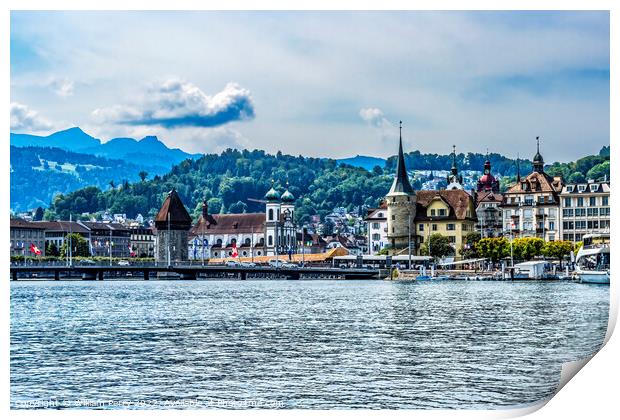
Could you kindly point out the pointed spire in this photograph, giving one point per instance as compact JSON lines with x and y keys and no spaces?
{"x":518,"y":169}
{"x":538,"y":163}
{"x":454,"y":168}
{"x":401,"y":182}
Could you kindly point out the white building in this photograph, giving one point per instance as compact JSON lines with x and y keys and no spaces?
{"x":377,"y":229}
{"x":584,"y":209}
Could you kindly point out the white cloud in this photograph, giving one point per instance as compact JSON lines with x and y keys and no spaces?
{"x":61,"y":87}
{"x":375,"y":117}
{"x":176,"y":103}
{"x":27,"y":120}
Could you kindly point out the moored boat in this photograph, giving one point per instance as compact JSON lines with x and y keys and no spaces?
{"x":593,"y":259}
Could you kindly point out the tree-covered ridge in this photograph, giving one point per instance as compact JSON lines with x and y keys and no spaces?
{"x":231,"y":181}
{"x":40,"y":173}
{"x":228,"y":181}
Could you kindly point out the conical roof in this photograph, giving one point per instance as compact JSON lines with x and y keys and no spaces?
{"x":173,"y":213}
{"x":401,"y":185}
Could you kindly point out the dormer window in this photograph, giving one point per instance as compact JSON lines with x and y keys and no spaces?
{"x":524,"y":186}
{"x":570,"y":188}
{"x":581,"y":188}
{"x":594,"y":187}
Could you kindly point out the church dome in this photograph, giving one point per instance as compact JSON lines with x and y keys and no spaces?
{"x":287,"y":197}
{"x":272,"y":195}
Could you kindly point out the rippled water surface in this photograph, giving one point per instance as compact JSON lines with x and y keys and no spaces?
{"x":302,"y":344}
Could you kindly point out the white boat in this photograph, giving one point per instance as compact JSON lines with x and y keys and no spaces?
{"x":593,"y":259}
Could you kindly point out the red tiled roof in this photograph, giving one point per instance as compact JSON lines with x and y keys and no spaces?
{"x":230,"y":223}
{"x":488,"y":196}
{"x":457,"y":200}
{"x":537,"y":182}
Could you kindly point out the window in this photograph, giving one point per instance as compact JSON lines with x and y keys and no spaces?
{"x":580,"y":212}
{"x":376,"y":237}
{"x":593,"y":211}
{"x":434,"y":227}
{"x":568,"y":225}
{"x":442,"y":212}
{"x":393,"y":217}
{"x":579,"y":201}
{"x":552,"y":226}
{"x":541,"y":198}
{"x":567,"y":202}
{"x":592,"y":201}
{"x":270,"y":214}
{"x":375,"y":225}
{"x":451,"y":226}
{"x":380,"y":214}
{"x":432,"y":212}
{"x":524,"y":186}
{"x":421,"y":227}
{"x":581,"y":188}
{"x":606,"y":201}
{"x":592,"y":224}
{"x":270,"y":240}
{"x":604,"y":211}
{"x":452,"y":239}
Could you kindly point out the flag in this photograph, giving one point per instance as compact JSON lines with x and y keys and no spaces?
{"x":34,"y":249}
{"x":235,"y":252}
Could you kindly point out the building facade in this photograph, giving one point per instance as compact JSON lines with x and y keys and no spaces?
{"x":377,"y":228}
{"x":142,"y":242}
{"x":450,"y":213}
{"x":584,"y":208}
{"x":489,"y":214}
{"x":531,"y":206}
{"x":107,"y":239}
{"x":57,"y":231}
{"x":23,"y":234}
{"x":253,"y":234}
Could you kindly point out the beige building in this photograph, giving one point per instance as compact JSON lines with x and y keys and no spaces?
{"x":451,"y":213}
{"x":530,"y":207}
{"x":584,"y":208}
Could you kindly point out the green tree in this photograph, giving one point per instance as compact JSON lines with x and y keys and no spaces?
{"x":215,"y":205}
{"x":38,"y":214}
{"x":576,"y":177}
{"x":493,"y":248}
{"x":143,"y":175}
{"x":599,"y":171}
{"x":468,"y":249}
{"x":437,"y":246}
{"x":557,"y":249}
{"x":51,"y":250}
{"x":79,"y":246}
{"x":527,"y":248}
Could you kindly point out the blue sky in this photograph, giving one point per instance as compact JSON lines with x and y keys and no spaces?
{"x":318,"y":83}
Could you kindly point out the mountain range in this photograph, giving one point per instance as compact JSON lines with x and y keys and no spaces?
{"x":149,"y":151}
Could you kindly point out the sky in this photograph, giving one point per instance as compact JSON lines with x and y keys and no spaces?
{"x":325,"y":84}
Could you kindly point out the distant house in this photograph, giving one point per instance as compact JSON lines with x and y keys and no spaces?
{"x":377,"y":228}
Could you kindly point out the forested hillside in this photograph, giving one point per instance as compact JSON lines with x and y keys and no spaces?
{"x":231,"y":180}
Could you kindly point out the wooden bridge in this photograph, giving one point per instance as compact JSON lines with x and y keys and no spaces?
{"x":188,"y":272}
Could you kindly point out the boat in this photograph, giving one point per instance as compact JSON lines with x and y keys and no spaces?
{"x":593,"y":259}
{"x":427,"y":278}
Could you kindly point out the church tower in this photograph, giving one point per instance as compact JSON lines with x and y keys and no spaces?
{"x":538,"y":163}
{"x":454,"y":180}
{"x":401,"y":204}
{"x":272,"y":215}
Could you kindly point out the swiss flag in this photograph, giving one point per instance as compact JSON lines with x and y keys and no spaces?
{"x":235,"y":252}
{"x":34,"y":249}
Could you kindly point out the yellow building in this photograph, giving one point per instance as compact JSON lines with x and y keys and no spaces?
{"x":451,"y":213}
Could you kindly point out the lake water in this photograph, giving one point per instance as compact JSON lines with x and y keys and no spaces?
{"x":298,"y":344}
